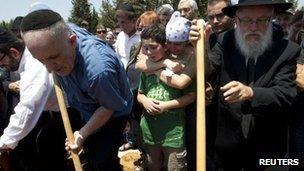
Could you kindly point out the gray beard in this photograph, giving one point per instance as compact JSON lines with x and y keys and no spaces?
{"x":253,"y":49}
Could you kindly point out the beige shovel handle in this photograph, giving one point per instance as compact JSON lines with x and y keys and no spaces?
{"x":200,"y":106}
{"x":66,"y":122}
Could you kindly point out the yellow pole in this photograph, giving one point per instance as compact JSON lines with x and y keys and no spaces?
{"x":66,"y":122}
{"x":200,"y":107}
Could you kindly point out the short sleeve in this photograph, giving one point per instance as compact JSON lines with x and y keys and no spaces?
{"x":191,"y":88}
{"x":190,"y":68}
{"x":142,"y":87}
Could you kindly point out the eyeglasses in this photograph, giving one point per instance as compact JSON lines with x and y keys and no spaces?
{"x":259,"y":21}
{"x":4,"y":55}
{"x":218,"y":17}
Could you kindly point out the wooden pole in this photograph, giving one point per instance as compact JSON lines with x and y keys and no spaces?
{"x":4,"y":161}
{"x":200,"y":106}
{"x":66,"y":122}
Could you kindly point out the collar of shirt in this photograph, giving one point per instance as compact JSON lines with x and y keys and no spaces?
{"x":26,"y":53}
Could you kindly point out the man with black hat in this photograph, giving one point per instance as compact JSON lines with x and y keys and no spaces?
{"x":92,"y":77}
{"x":256,"y":72}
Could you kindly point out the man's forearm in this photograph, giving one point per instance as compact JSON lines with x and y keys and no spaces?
{"x":181,"y":102}
{"x":140,"y":98}
{"x":176,"y":81}
{"x":98,"y":119}
{"x":143,"y":64}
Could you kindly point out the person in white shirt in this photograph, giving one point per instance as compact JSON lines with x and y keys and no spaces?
{"x":36,"y":95}
{"x":126,"y":18}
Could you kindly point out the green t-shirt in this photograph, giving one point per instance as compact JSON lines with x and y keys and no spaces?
{"x":166,"y":129}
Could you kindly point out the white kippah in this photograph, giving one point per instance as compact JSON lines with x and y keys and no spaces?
{"x":178,"y":28}
{"x":38,"y":6}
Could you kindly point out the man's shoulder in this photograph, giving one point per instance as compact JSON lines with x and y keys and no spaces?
{"x":226,"y":36}
{"x":291,"y":45}
{"x":99,"y":64}
{"x":287,"y":48}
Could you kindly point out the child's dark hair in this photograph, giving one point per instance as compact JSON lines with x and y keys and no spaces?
{"x":156,"y":32}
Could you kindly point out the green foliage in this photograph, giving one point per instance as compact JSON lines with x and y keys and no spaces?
{"x":202,"y":8}
{"x":6,"y":24}
{"x":107,"y":14}
{"x":82,"y":11}
{"x":94,"y":20}
{"x":295,"y":4}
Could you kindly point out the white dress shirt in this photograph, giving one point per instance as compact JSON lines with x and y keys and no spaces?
{"x":36,"y":85}
{"x":123,"y":46}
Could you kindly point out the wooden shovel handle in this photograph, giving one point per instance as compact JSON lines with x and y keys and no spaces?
{"x":66,"y":122}
{"x":200,"y":107}
{"x":4,"y":161}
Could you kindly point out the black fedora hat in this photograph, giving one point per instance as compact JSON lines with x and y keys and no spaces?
{"x":278,"y":5}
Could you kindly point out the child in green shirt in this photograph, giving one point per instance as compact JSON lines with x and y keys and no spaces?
{"x":163,"y":122}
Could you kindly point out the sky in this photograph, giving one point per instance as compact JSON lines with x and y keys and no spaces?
{"x":9,"y":9}
{"x":301,"y":3}
{"x":12,"y":8}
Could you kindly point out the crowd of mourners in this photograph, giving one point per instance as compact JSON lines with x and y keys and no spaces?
{"x":133,"y":87}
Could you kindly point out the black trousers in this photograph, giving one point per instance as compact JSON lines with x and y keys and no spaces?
{"x":43,"y":148}
{"x":102,"y":146}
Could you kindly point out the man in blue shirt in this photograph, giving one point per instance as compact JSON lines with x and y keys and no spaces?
{"x":92,"y":77}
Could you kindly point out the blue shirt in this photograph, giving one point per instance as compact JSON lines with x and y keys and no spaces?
{"x":97,"y":79}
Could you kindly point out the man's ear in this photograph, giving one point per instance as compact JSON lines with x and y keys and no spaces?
{"x":73,"y":39}
{"x":15,"y":53}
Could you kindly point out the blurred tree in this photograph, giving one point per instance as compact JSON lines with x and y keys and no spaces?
{"x":107,"y":13}
{"x":295,"y":4}
{"x":94,"y":20}
{"x":82,"y":12}
{"x":202,"y":8}
{"x":6,"y":24}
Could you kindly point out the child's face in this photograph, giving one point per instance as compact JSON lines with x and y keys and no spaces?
{"x":176,"y":48}
{"x":155,"y":51}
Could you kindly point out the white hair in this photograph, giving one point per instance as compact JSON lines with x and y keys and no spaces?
{"x":58,"y":30}
{"x":253,"y":49}
{"x":192,"y":4}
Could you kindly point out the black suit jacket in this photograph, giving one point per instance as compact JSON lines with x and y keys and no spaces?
{"x":274,"y":91}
